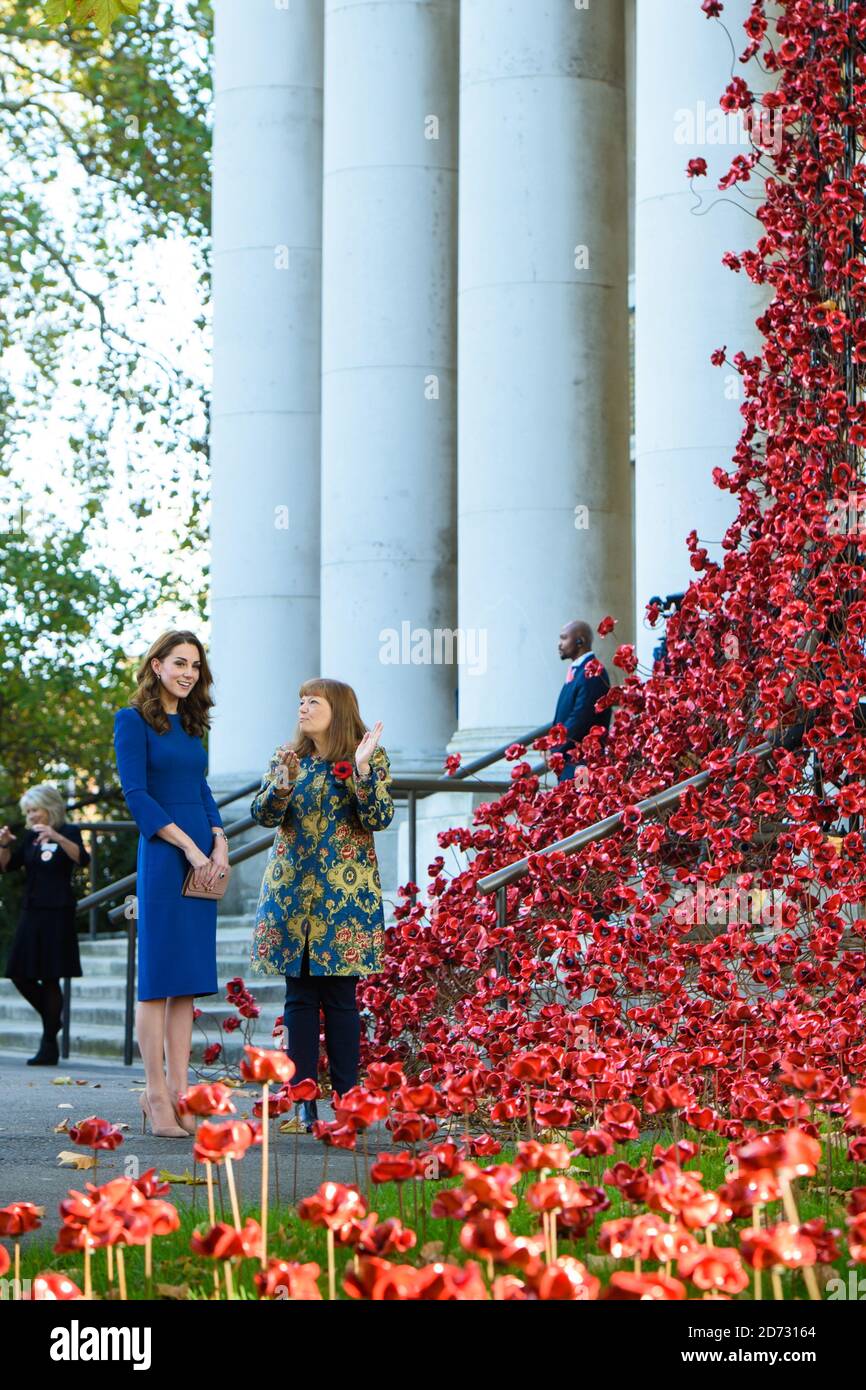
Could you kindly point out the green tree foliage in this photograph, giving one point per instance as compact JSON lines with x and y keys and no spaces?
{"x":104,"y":157}
{"x":102,"y":13}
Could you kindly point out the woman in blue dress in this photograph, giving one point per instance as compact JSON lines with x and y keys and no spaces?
{"x":320,"y":920}
{"x":161,"y":761}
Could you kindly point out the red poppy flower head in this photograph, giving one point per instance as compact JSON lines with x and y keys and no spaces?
{"x":224,"y":1242}
{"x":54,"y":1287}
{"x":286,"y":1279}
{"x":333,"y":1205}
{"x":96,"y":1133}
{"x":304,"y":1090}
{"x":20,"y":1217}
{"x":267,"y":1064}
{"x":149,"y":1185}
{"x":207,"y":1099}
{"x":216,"y":1142}
{"x":342,"y":771}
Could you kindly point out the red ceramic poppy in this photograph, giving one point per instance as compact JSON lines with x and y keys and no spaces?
{"x":789,"y":1153}
{"x":207,"y":1099}
{"x":384,"y":1237}
{"x":303,"y":1090}
{"x":441,"y":1160}
{"x":592,"y":1143}
{"x":342,"y":771}
{"x":491,"y":1187}
{"x":96,"y":1133}
{"x":857,"y":1238}
{"x":332,"y":1205}
{"x":117,"y":1193}
{"x":216,"y":1142}
{"x":20,"y":1217}
{"x":286,"y":1279}
{"x":394,"y":1167}
{"x":378,"y":1280}
{"x":719,"y":1268}
{"x":263,"y":1064}
{"x":335,"y":1136}
{"x":425,"y":1099}
{"x":556,"y":1194}
{"x":385,"y":1076}
{"x":72,"y":1237}
{"x":410,"y":1128}
{"x":565,"y":1280}
{"x":224,"y":1242}
{"x":455,"y":1204}
{"x":533,"y":1156}
{"x":489,"y":1234}
{"x":649,"y":1287}
{"x":163,"y":1216}
{"x":149,"y":1184}
{"x":54,"y":1287}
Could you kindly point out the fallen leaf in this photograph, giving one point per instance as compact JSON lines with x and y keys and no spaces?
{"x":186,"y":1177}
{"x":67,"y":1159}
{"x":173,"y":1290}
{"x":62,"y":1081}
{"x":292,"y":1126}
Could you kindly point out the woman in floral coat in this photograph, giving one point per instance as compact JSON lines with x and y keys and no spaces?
{"x":319,"y":920}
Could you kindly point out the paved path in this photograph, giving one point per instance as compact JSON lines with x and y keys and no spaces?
{"x":31,"y":1105}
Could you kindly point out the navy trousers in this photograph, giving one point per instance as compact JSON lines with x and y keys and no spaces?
{"x":306,"y":994}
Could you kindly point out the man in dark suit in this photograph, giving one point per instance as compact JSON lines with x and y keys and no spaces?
{"x":575,"y":707}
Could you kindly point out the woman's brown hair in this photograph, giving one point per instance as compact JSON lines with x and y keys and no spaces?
{"x":194,"y":709}
{"x":346,"y":728}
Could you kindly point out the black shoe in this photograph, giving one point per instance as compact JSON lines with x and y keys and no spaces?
{"x":48,"y":1054}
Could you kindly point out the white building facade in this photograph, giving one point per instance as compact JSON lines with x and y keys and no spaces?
{"x":434,"y":223}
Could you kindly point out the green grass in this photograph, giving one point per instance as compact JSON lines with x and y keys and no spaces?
{"x":292,"y":1239}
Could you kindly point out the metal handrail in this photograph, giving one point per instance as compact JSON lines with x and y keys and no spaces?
{"x":659,"y":801}
{"x":487,"y":759}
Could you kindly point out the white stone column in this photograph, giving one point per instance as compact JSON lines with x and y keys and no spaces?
{"x":687,"y":302}
{"x":389,"y":365}
{"x":544,"y":473}
{"x":265,"y":431}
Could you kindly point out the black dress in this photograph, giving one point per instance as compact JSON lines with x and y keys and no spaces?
{"x":45,"y":945}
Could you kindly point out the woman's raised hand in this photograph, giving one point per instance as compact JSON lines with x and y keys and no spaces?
{"x":287,"y":764}
{"x":366,"y":748}
{"x":6,"y":837}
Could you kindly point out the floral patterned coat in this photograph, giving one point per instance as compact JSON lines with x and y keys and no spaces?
{"x":322,"y":878}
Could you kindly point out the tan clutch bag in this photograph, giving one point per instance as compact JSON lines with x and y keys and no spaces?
{"x":211,"y":894}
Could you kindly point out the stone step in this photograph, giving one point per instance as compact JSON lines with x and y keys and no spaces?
{"x":236,"y":935}
{"x":230,"y":962}
{"x":113,"y":1015}
{"x":93,"y":989}
{"x":101,"y":1040}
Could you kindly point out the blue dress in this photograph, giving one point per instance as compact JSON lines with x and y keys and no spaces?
{"x":163,"y":780}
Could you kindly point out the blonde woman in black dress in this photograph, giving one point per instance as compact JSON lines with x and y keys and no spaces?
{"x":45,"y":948}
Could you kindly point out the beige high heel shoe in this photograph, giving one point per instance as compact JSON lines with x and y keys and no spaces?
{"x":164,"y":1133}
{"x":186,"y":1122}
